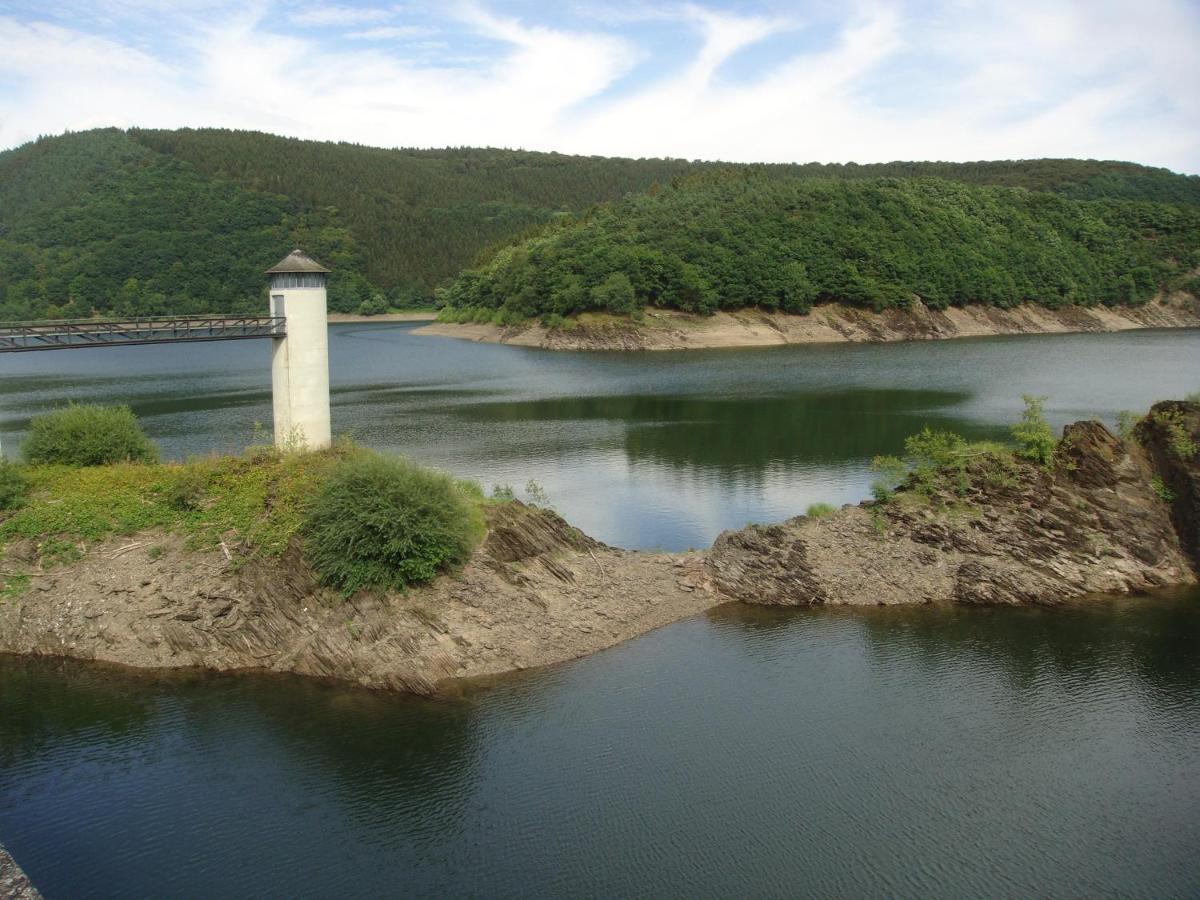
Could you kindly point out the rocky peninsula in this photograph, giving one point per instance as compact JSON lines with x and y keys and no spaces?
{"x":1109,"y":514}
{"x":663,"y":329}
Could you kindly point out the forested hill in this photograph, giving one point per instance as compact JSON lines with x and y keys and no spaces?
{"x":729,"y":239}
{"x":114,"y":222}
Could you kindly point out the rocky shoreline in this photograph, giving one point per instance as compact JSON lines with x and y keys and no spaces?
{"x":14,"y":884}
{"x":1111,"y":516}
{"x":828,"y":323}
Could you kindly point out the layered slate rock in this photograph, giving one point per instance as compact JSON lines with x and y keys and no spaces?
{"x":1099,"y":521}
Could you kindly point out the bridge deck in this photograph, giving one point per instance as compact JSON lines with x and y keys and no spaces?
{"x":17,"y":337}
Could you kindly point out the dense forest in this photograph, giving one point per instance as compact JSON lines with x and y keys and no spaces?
{"x":112,"y":222}
{"x":731,"y":239}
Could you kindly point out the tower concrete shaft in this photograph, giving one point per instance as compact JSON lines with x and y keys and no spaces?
{"x":300,"y":359}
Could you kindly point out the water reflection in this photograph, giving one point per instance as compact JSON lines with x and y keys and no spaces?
{"x":931,"y":752}
{"x":642,"y":450}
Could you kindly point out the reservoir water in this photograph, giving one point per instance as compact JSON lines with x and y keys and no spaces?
{"x":748,"y":752}
{"x":661,"y":449}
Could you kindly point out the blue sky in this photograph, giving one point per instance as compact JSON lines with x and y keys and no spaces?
{"x":760,"y":81}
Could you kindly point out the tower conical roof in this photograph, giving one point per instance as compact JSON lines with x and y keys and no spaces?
{"x":296,"y":261}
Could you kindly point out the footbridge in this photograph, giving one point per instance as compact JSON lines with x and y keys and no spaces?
{"x":20,"y":337}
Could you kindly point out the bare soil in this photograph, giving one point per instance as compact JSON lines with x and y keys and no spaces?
{"x":829,"y":323}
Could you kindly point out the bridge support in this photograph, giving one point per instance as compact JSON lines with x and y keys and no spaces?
{"x":300,"y":359}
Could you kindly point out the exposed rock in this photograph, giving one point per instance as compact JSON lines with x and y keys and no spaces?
{"x":1097,"y":525}
{"x":663,"y":329}
{"x":14,"y":885}
{"x":1165,"y":433}
{"x":538,"y":591}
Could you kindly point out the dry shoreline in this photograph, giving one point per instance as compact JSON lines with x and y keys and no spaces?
{"x":1112,"y":517}
{"x":829,"y":323}
{"x":417,"y":315}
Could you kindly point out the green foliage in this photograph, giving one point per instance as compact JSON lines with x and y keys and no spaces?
{"x":503,"y":493}
{"x":380,"y":522}
{"x":1127,"y":423}
{"x":1165,"y":494}
{"x":13,"y":485}
{"x":537,"y":494}
{"x":937,"y":461}
{"x":187,"y":489}
{"x":254,"y":503}
{"x":817,"y":510}
{"x":15,"y":586}
{"x":1179,"y":441}
{"x":87,"y":435}
{"x":109,"y":222}
{"x":737,"y":238}
{"x":1034,"y":437}
{"x":1193,"y":397}
{"x":891,"y":472}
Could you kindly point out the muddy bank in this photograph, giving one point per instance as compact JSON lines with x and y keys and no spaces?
{"x":1111,"y":516}
{"x":14,"y":885}
{"x":830,"y":323}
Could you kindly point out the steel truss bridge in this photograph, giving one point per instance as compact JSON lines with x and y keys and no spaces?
{"x":20,"y":337}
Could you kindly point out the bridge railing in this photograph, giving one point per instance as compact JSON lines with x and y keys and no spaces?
{"x":67,"y":333}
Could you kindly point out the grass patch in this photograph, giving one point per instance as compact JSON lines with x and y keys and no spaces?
{"x":13,"y":485}
{"x":817,"y":510}
{"x":255,"y":501}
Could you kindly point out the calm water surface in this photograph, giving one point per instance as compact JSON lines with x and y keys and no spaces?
{"x":637,"y":449}
{"x":744,"y":753}
{"x":923,"y":753}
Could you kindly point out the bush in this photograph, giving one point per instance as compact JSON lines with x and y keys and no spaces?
{"x":383,"y":522}
{"x":892,"y":472}
{"x":817,"y":510}
{"x":1035,"y":440}
{"x":13,"y":485}
{"x":88,"y":435}
{"x":187,"y":488}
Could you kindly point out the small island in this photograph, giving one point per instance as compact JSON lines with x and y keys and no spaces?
{"x":256,"y":562}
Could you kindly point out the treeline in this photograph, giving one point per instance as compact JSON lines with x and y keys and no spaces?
{"x":731,"y":239}
{"x":109,"y":222}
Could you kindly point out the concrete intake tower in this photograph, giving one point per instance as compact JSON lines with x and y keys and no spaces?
{"x":300,"y":358}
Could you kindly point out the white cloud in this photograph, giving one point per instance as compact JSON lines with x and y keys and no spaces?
{"x":390,"y":33}
{"x":943,"y":79}
{"x":341,"y":15}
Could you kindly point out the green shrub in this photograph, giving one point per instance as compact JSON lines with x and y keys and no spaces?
{"x":87,"y":435}
{"x":892,"y":472}
{"x":187,"y":489}
{"x":1127,"y":422}
{"x":1179,"y":442}
{"x":1035,"y":440}
{"x":383,"y":522}
{"x":13,"y":485}
{"x":1165,"y":494}
{"x":817,"y":510}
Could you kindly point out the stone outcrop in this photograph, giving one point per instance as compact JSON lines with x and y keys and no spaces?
{"x":1097,"y":523}
{"x":1110,"y":516}
{"x":14,"y":885}
{"x":536,"y":592}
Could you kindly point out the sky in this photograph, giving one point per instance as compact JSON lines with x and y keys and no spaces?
{"x":755,"y":81}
